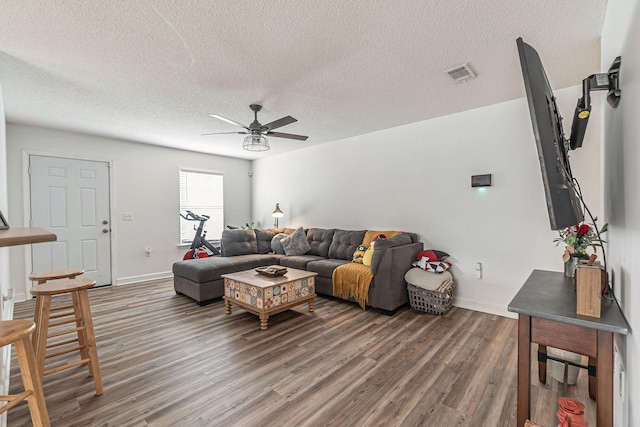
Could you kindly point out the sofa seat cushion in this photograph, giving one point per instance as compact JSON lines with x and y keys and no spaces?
{"x":299,"y":261}
{"x":212,"y":268}
{"x":325,"y":267}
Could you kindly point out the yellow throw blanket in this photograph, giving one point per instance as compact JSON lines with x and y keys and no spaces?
{"x":352,"y":280}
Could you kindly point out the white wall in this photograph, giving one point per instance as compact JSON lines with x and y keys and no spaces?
{"x":4,"y":252}
{"x":621,"y":157}
{"x":145,"y":182}
{"x":418,"y":178}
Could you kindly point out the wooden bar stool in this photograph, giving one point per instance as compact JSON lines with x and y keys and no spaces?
{"x":17,"y":332}
{"x":78,"y":313}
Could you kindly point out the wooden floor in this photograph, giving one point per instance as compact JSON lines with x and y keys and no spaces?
{"x":165,"y":361}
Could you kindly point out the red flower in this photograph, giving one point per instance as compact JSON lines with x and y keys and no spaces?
{"x":584,"y":229}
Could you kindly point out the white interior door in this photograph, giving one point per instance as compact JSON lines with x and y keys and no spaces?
{"x":70,"y":198}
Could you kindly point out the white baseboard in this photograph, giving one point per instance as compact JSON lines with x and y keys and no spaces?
{"x":143,"y":278}
{"x":485,"y":308}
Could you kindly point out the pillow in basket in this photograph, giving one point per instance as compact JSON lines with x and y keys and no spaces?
{"x":434,"y":267}
{"x":432,"y":255}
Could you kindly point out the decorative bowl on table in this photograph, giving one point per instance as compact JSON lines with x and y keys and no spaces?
{"x":272,"y":270}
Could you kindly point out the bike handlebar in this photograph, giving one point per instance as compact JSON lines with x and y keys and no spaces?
{"x":190,"y":216}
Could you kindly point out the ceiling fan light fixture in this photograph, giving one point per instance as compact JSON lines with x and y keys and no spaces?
{"x":255,"y":143}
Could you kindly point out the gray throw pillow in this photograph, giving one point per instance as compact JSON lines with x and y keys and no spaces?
{"x":296,"y":243}
{"x":276,"y":244}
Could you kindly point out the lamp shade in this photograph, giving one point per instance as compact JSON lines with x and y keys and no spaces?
{"x":255,"y":143}
{"x":277,"y":213}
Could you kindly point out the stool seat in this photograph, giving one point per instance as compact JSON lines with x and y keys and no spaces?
{"x":17,"y":332}
{"x":14,"y":330}
{"x":68,"y":273}
{"x":74,"y":318}
{"x":56,"y":287}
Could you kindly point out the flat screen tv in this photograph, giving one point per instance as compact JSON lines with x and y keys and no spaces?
{"x":563,"y":204}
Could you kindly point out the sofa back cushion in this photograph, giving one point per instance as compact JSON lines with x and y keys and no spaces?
{"x":238,"y":242}
{"x":320,"y":239}
{"x":264,"y":237}
{"x":344,"y":243}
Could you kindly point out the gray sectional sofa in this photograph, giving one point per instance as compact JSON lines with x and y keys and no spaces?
{"x":200,"y":279}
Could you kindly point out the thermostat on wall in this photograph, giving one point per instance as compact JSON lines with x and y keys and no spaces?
{"x":481,"y":180}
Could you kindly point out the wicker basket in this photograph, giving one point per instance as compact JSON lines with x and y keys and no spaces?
{"x":438,"y":301}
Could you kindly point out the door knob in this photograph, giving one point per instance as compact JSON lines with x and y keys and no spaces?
{"x":104,"y":230}
{"x":105,"y":222}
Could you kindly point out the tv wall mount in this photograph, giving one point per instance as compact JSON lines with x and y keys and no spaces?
{"x":609,"y":81}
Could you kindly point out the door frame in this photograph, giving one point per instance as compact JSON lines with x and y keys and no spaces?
{"x":26,"y":192}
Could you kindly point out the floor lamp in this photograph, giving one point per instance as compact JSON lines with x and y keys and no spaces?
{"x":277,"y":213}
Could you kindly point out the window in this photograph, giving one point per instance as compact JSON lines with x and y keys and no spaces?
{"x":201,"y":193}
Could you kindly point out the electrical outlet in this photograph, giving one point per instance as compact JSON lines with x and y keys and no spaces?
{"x":479,"y":270}
{"x":147,"y":252}
{"x":127,"y":216}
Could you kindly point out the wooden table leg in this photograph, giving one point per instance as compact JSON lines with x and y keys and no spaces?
{"x":593,"y":384}
{"x":264,"y":321}
{"x":524,"y":367}
{"x":227,"y":306}
{"x":604,"y":379}
{"x":311,"y":305}
{"x":542,"y":363}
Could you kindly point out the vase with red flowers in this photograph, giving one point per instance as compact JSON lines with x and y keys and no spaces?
{"x":577,"y":239}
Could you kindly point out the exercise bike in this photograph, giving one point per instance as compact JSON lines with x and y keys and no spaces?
{"x":200,"y":246}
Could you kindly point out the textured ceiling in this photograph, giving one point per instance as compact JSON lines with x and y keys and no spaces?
{"x":151,"y":71}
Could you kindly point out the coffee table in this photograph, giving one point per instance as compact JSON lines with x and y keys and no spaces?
{"x":265,"y":295}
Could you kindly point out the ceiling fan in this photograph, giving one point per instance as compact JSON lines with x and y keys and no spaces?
{"x":256,"y":140}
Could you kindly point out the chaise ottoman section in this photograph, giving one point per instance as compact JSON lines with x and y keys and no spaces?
{"x":201,"y":279}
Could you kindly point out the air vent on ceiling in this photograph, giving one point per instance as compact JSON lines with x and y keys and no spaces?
{"x":460,"y":73}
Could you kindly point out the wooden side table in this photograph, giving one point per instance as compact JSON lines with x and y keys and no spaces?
{"x":546,"y":307}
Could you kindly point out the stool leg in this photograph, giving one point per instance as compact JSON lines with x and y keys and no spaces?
{"x":32,"y":380}
{"x":90,"y":339}
{"x":80,"y":324}
{"x":42,"y":327}
{"x":36,"y":319}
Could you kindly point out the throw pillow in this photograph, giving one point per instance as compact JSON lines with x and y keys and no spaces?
{"x":368,"y":255}
{"x":432,"y":255}
{"x":434,"y":267}
{"x":359,"y":254}
{"x":371,"y":235}
{"x":296,"y":243}
{"x":276,"y":243}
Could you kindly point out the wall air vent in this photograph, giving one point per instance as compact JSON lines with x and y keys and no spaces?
{"x":460,"y":73}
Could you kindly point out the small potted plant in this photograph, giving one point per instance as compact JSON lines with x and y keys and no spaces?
{"x":577,"y":239}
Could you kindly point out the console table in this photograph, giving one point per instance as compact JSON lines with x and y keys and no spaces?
{"x":546,"y":307}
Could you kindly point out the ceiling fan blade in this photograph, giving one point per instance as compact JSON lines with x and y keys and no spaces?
{"x":288,"y":135}
{"x":233,"y":122}
{"x":279,"y":123}
{"x":223,"y":133}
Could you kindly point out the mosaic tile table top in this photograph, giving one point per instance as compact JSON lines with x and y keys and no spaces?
{"x":263,"y":295}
